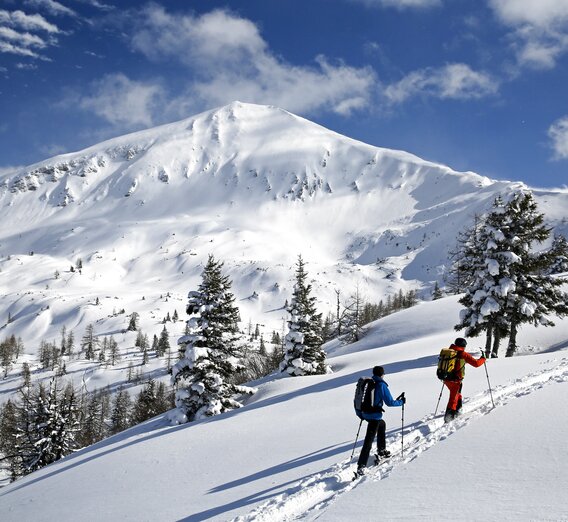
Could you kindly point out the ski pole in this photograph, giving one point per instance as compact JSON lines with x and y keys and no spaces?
{"x":439,"y":399}
{"x":402,"y":433}
{"x":401,"y":397}
{"x":489,"y":384}
{"x":356,"y":437}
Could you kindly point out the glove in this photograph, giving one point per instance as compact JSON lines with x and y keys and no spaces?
{"x":402,"y":398}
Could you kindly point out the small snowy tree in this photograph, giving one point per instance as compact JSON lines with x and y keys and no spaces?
{"x":89,"y":343}
{"x":353,"y":317}
{"x":163,"y":344}
{"x":461,"y":274}
{"x":559,"y":255}
{"x":437,"y":292}
{"x":47,"y":423}
{"x":120,"y":415}
{"x":303,"y":353}
{"x":133,"y":322}
{"x":210,"y":350}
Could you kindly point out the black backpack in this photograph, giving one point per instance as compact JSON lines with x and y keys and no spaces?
{"x":365,"y":397}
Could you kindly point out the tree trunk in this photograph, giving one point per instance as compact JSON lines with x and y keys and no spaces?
{"x":512,"y":348}
{"x":488,"y":338}
{"x":496,"y":341}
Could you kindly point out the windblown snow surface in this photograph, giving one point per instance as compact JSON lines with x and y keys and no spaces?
{"x":286,"y":454}
{"x":255,"y":186}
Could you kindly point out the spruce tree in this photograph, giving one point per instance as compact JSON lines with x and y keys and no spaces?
{"x":114,"y":353}
{"x":489,"y":266}
{"x":461,"y":273}
{"x":26,"y":375}
{"x":133,"y":322}
{"x":558,"y":255}
{"x":537,"y":295}
{"x":63,"y":340}
{"x":210,"y":350}
{"x":437,"y":292}
{"x":89,"y":342}
{"x":47,"y":424}
{"x":163,"y":345}
{"x":509,"y":285}
{"x":120,"y":415}
{"x":70,"y":345}
{"x":303,"y":353}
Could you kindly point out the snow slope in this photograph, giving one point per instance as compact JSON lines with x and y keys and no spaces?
{"x":285,"y":455}
{"x":254,"y":185}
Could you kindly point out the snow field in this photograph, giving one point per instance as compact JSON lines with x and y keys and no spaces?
{"x":308,"y":499}
{"x":256,"y":186}
{"x":286,"y":453}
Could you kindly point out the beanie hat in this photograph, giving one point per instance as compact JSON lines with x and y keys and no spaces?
{"x":460,"y":342}
{"x":379,"y":371}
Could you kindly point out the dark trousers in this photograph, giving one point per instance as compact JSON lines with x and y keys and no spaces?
{"x":375,"y":428}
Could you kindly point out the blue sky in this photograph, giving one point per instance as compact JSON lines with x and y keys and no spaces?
{"x":478,"y":85}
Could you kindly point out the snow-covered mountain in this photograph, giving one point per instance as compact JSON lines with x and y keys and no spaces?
{"x":286,"y":454}
{"x":254,"y":185}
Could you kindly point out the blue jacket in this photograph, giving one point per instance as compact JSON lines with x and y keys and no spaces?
{"x":382,"y":396}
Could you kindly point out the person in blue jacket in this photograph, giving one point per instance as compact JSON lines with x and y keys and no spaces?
{"x":376,"y":426}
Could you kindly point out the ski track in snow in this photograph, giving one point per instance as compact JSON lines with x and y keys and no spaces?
{"x":309,"y":498}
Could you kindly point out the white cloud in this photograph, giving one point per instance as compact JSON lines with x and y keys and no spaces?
{"x":122,"y":102}
{"x":24,"y":34}
{"x":99,"y":5}
{"x":231,"y":60}
{"x":453,"y":81}
{"x":7,"y":47}
{"x":52,"y":7}
{"x":217,"y":35}
{"x":539,"y":29}
{"x":22,"y":39}
{"x":401,"y":4}
{"x":558,"y":134}
{"x":33,"y":22}
{"x":26,"y":66}
{"x":541,"y":13}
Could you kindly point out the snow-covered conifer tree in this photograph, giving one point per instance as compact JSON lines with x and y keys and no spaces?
{"x":559,"y":255}
{"x":461,"y":274}
{"x":510,"y":286}
{"x":163,"y":345}
{"x":437,"y":292}
{"x":210,"y":350}
{"x":537,"y":295}
{"x":89,"y":343}
{"x":353,"y":317}
{"x":133,"y":323}
{"x":303,"y":353}
{"x":47,"y":426}
{"x":120,"y":416}
{"x":486,"y":256}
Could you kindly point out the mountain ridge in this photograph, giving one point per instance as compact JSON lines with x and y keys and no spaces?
{"x":254,"y":185}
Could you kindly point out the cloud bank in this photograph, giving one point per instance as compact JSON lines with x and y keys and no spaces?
{"x":558,"y":134}
{"x":539,"y":29}
{"x":454,"y":81}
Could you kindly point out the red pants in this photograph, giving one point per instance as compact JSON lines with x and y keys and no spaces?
{"x":455,"y":401}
